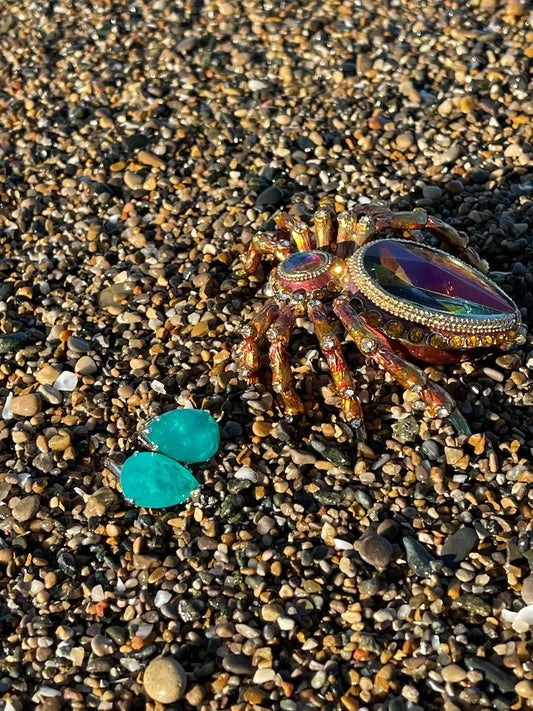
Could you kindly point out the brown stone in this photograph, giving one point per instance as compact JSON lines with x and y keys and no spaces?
{"x":26,"y":405}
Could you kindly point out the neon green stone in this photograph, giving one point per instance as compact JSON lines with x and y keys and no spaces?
{"x":152,"y":480}
{"x":186,"y":435}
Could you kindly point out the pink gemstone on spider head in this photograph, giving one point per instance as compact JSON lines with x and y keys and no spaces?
{"x":304,"y":263}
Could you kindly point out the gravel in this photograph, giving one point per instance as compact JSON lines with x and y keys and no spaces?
{"x":142,"y":145}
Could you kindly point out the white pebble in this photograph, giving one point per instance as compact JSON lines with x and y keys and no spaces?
{"x":48,"y":692}
{"x":261,"y":676}
{"x":158,"y":387}
{"x":6,"y":410}
{"x":459,"y":478}
{"x":521,"y":626}
{"x":162,"y":597}
{"x":247,"y":474}
{"x":66,"y":382}
{"x":342,"y":545}
{"x":97,"y":593}
{"x":525,"y":615}
{"x":521,"y":621}
{"x":256,"y":85}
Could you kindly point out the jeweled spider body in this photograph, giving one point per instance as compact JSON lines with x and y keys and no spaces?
{"x":395,"y":297}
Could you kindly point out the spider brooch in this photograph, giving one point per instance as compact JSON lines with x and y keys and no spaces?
{"x":396,"y":298}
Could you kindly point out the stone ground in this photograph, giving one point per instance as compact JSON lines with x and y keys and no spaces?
{"x":142,"y":144}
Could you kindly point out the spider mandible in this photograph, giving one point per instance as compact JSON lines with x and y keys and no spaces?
{"x":396,"y":298}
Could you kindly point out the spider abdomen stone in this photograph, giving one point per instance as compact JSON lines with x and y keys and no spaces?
{"x":431,"y":280}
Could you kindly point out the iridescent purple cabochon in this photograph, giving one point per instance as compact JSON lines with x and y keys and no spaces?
{"x":431,"y":280}
{"x":304,"y":265}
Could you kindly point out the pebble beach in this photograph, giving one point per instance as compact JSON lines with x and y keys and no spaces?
{"x":142,"y":144}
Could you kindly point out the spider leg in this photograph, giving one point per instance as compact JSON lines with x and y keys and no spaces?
{"x":418,"y":219}
{"x":278,"y":335}
{"x":438,"y":402}
{"x":356,"y":228}
{"x":262,"y":245}
{"x":331,"y":348}
{"x":248,"y":348}
{"x":325,"y":226}
{"x":294,"y":229}
{"x":457,"y":241}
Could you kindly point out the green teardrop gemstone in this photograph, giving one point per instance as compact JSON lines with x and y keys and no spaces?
{"x":152,"y":480}
{"x":186,"y":435}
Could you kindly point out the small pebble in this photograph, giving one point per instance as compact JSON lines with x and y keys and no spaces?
{"x":26,"y":508}
{"x":376,"y":550}
{"x":453,"y":673}
{"x":85,"y":366}
{"x":66,"y":382}
{"x":26,"y":405}
{"x":165,"y":680}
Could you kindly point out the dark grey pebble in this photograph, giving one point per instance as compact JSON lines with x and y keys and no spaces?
{"x":100,"y":665}
{"x":494,"y":674}
{"x":455,"y":187}
{"x":305,"y":143}
{"x":333,"y":453}
{"x":418,"y":558}
{"x":205,"y":543}
{"x":237,"y":664}
{"x":431,"y":449}
{"x":187,"y":44}
{"x":187,"y":611}
{"x":117,"y":634}
{"x":10,"y":342}
{"x":270,"y":196}
{"x":136,"y":140}
{"x":67,"y":563}
{"x":79,"y":345}
{"x":389,"y":529}
{"x":145,"y":652}
{"x":232,"y":430}
{"x":328,"y":498}
{"x":457,"y":546}
{"x":364,"y":498}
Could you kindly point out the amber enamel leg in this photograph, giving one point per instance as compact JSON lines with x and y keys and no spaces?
{"x":278,"y":335}
{"x":290,"y":227}
{"x":356,"y":227}
{"x":248,"y":349}
{"x":262,"y":245}
{"x":325,"y":226}
{"x":418,"y":219}
{"x":438,"y":402}
{"x":331,"y":348}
